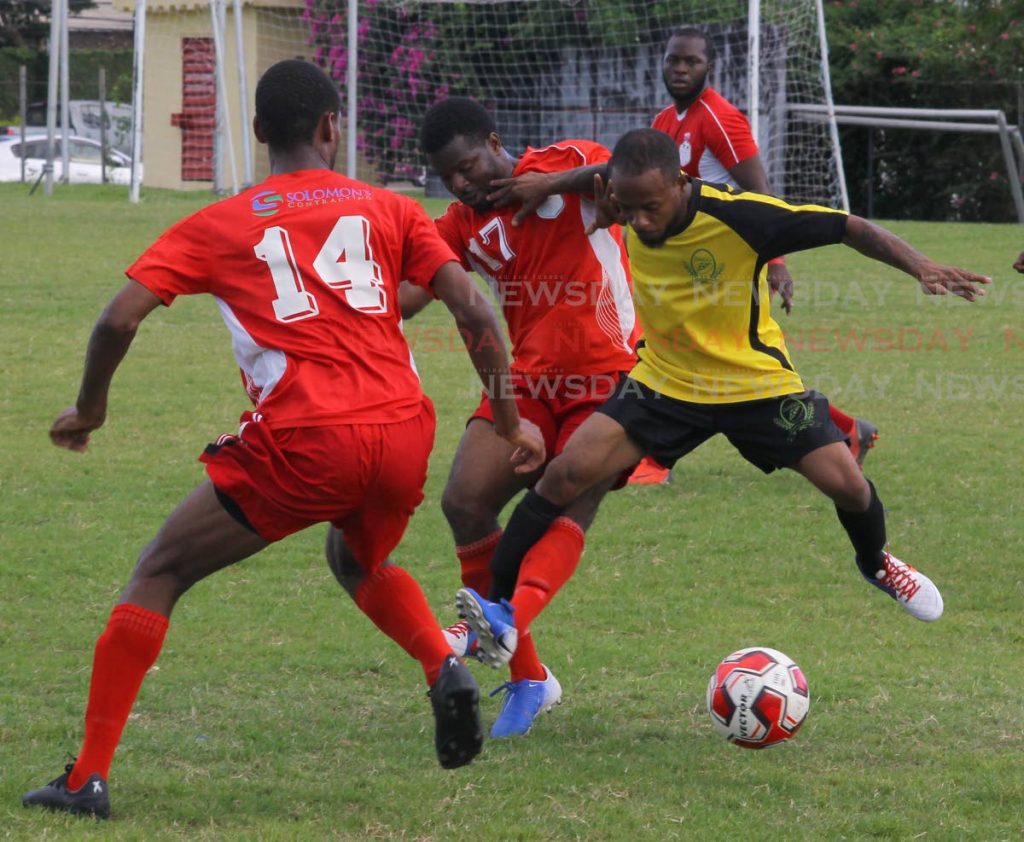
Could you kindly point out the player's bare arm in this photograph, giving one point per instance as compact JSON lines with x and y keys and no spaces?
{"x":110,"y":340}
{"x":479,"y":329}
{"x":935,"y":279}
{"x":412,"y":299}
{"x":530,"y":189}
{"x":1019,"y":262}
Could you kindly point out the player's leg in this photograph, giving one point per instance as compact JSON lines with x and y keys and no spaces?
{"x":834,"y":471}
{"x":551,"y":562}
{"x":796,"y":431}
{"x":199,"y":538}
{"x":480,"y":484}
{"x":532,"y":688}
{"x":597,"y":452}
{"x":391,"y":597}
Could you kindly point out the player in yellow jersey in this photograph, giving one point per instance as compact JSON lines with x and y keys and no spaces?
{"x":714,"y":361}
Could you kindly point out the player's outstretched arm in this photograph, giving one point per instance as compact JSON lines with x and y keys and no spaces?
{"x":479,"y":329}
{"x":935,"y":278}
{"x":110,"y":340}
{"x":530,"y":189}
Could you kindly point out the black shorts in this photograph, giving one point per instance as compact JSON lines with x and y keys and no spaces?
{"x":771,"y":433}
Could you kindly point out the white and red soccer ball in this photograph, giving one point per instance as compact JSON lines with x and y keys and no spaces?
{"x":758,"y":697}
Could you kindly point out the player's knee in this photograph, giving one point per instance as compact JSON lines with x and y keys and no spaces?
{"x":463,"y":511}
{"x":343,"y":563}
{"x":563,"y":481}
{"x":163,"y":565}
{"x":853,"y":494}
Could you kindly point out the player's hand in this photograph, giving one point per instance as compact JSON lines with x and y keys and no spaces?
{"x":529,"y":190}
{"x":1018,"y":264}
{"x":72,"y":428}
{"x":529,"y":453}
{"x":936,"y":279}
{"x":780,"y":281}
{"x":608,"y":211}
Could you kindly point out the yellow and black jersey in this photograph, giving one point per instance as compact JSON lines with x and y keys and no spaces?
{"x":702,"y":296}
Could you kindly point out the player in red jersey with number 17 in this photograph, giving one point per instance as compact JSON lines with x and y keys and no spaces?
{"x":566,"y":300}
{"x":305,"y":268}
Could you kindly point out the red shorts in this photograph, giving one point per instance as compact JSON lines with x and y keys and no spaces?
{"x":558,"y":404}
{"x":365,"y":479}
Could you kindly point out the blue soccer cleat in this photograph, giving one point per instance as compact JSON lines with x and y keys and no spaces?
{"x":496,"y":634}
{"x":524,"y":701}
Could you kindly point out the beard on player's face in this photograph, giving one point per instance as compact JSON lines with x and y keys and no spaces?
{"x":685,"y":92}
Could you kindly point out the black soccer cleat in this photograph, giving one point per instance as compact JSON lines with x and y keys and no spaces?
{"x":459,"y":736}
{"x":90,"y":799}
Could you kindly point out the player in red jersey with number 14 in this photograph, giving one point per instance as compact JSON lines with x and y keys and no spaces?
{"x":305,"y":268}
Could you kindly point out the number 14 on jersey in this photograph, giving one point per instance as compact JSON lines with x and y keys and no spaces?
{"x":345,"y":262}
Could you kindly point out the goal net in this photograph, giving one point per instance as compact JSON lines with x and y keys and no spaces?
{"x":547,"y":69}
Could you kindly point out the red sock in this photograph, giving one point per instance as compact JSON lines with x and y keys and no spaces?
{"x":844,"y":422}
{"x":393,"y":600}
{"x":547,"y":566}
{"x":475,"y":560}
{"x":124,"y":652}
{"x":476,"y":574}
{"x":525,"y":662}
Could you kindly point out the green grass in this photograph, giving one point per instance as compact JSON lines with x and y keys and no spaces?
{"x":277,"y":711}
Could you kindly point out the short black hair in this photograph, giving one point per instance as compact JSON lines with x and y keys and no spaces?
{"x":451,"y":118}
{"x":642,"y":150}
{"x":696,"y":32}
{"x":291,"y":97}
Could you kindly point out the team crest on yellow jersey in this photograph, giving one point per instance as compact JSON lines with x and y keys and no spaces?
{"x":703,"y":266}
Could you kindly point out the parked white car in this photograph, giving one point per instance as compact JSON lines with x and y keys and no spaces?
{"x":84,"y":163}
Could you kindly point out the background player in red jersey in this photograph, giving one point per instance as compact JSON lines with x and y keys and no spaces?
{"x":566,"y":300}
{"x":716,"y":144}
{"x":305,"y":269}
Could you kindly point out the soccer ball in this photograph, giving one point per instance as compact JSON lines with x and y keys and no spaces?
{"x":758,"y":697}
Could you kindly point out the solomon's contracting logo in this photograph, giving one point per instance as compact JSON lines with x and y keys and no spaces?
{"x":703,"y":266}
{"x":795,"y":416}
{"x":266,"y":203}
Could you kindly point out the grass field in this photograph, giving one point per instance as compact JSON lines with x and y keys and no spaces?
{"x":276,"y":711}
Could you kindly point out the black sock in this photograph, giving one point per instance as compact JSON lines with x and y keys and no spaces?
{"x":867,"y":534}
{"x":530,"y":520}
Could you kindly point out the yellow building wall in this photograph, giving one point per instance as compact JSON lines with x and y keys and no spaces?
{"x":272,"y":30}
{"x":268,"y":35}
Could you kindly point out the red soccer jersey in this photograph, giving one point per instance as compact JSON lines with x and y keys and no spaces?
{"x":565,"y":296}
{"x":712,"y":135}
{"x":305,"y":268}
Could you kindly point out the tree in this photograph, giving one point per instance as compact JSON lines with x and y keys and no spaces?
{"x":26,"y":23}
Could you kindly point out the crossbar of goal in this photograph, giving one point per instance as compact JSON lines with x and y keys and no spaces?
{"x":882,"y":111}
{"x":913,"y":118}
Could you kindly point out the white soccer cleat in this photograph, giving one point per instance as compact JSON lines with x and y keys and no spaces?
{"x":462,"y":639}
{"x":910,"y":588}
